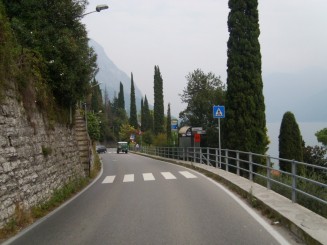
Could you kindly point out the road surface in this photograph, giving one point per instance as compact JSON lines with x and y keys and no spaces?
{"x":138,"y":200}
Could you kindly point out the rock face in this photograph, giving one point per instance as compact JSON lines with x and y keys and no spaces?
{"x":34,"y":160}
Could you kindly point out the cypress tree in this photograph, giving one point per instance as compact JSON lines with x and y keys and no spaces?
{"x":147,"y":123}
{"x":96,"y":98}
{"x":121,"y":99}
{"x":168,"y":130}
{"x":290,"y":142}
{"x":245,"y":122}
{"x":133,"y":113}
{"x":158,"y":110}
{"x":142,"y":115}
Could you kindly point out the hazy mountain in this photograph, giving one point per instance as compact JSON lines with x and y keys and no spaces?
{"x":110,"y":76}
{"x":304,"y":94}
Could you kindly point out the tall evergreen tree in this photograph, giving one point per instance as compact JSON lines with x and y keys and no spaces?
{"x":158,"y":110}
{"x":96,"y":97}
{"x":290,"y":141}
{"x":142,"y":115}
{"x":245,"y":122}
{"x":148,"y":121}
{"x":121,"y":99}
{"x":133,"y":112}
{"x":168,"y":130}
{"x":107,"y":106}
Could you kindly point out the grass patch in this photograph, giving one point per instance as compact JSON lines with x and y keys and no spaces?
{"x":21,"y":219}
{"x":58,"y":197}
{"x":96,"y":167}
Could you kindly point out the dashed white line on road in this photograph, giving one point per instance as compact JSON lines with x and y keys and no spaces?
{"x":187,"y":174}
{"x":108,"y":179}
{"x":128,"y":178}
{"x":168,"y":175}
{"x":148,"y":177}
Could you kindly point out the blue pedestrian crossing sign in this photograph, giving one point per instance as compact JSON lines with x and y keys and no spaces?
{"x":218,"y":111}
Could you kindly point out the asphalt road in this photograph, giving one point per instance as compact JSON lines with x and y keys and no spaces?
{"x":138,"y":200}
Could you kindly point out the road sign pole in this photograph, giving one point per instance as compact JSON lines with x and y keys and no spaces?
{"x":219,"y":143}
{"x":219,"y":112}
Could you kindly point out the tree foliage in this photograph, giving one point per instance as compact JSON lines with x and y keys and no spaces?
{"x":315,"y":156}
{"x":148,"y":118}
{"x":290,"y":141}
{"x":322,"y":136}
{"x":121,"y":99}
{"x":125,"y":132}
{"x":133,"y":113}
{"x":142,"y":115}
{"x":53,"y":30}
{"x":93,"y":126}
{"x":96,"y":97}
{"x":203,"y":91}
{"x":245,"y":122}
{"x":7,"y":54}
{"x":158,"y":110}
{"x":168,"y":125}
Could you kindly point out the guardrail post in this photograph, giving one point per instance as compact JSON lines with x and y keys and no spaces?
{"x":217,"y":158}
{"x":251,"y":166}
{"x":208,"y":156}
{"x":268,"y":173}
{"x":184,"y":152}
{"x":194,"y":156}
{"x":226,"y":160}
{"x":293,"y":181}
{"x":187,"y":154}
{"x":238,"y":163}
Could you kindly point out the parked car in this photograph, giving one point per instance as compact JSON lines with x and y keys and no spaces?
{"x":122,"y":146}
{"x":101,"y":149}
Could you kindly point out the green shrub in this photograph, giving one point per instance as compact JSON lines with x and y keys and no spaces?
{"x":46,"y":151}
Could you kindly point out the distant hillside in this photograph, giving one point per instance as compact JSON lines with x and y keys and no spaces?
{"x":304,"y":94}
{"x":110,"y":76}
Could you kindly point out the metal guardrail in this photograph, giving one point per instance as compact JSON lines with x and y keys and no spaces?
{"x":305,"y":182}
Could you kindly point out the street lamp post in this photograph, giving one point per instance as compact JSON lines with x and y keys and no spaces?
{"x":97,"y":9}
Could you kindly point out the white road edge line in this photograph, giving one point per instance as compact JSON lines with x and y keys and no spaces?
{"x":279,"y":238}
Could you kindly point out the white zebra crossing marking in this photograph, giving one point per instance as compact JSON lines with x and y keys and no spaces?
{"x":148,"y":177}
{"x":187,"y":174}
{"x":109,"y":179}
{"x":128,"y":178}
{"x":168,"y":175}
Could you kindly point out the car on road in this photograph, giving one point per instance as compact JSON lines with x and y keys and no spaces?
{"x":122,"y":146}
{"x":101,"y":149}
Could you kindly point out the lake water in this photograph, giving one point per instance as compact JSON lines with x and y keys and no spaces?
{"x":308,"y":130}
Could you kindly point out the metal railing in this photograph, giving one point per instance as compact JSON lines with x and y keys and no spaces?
{"x":305,"y":184}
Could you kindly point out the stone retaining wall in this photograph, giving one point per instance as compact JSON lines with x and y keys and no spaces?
{"x":34,"y":160}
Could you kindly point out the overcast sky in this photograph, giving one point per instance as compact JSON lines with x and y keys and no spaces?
{"x":183,"y":35}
